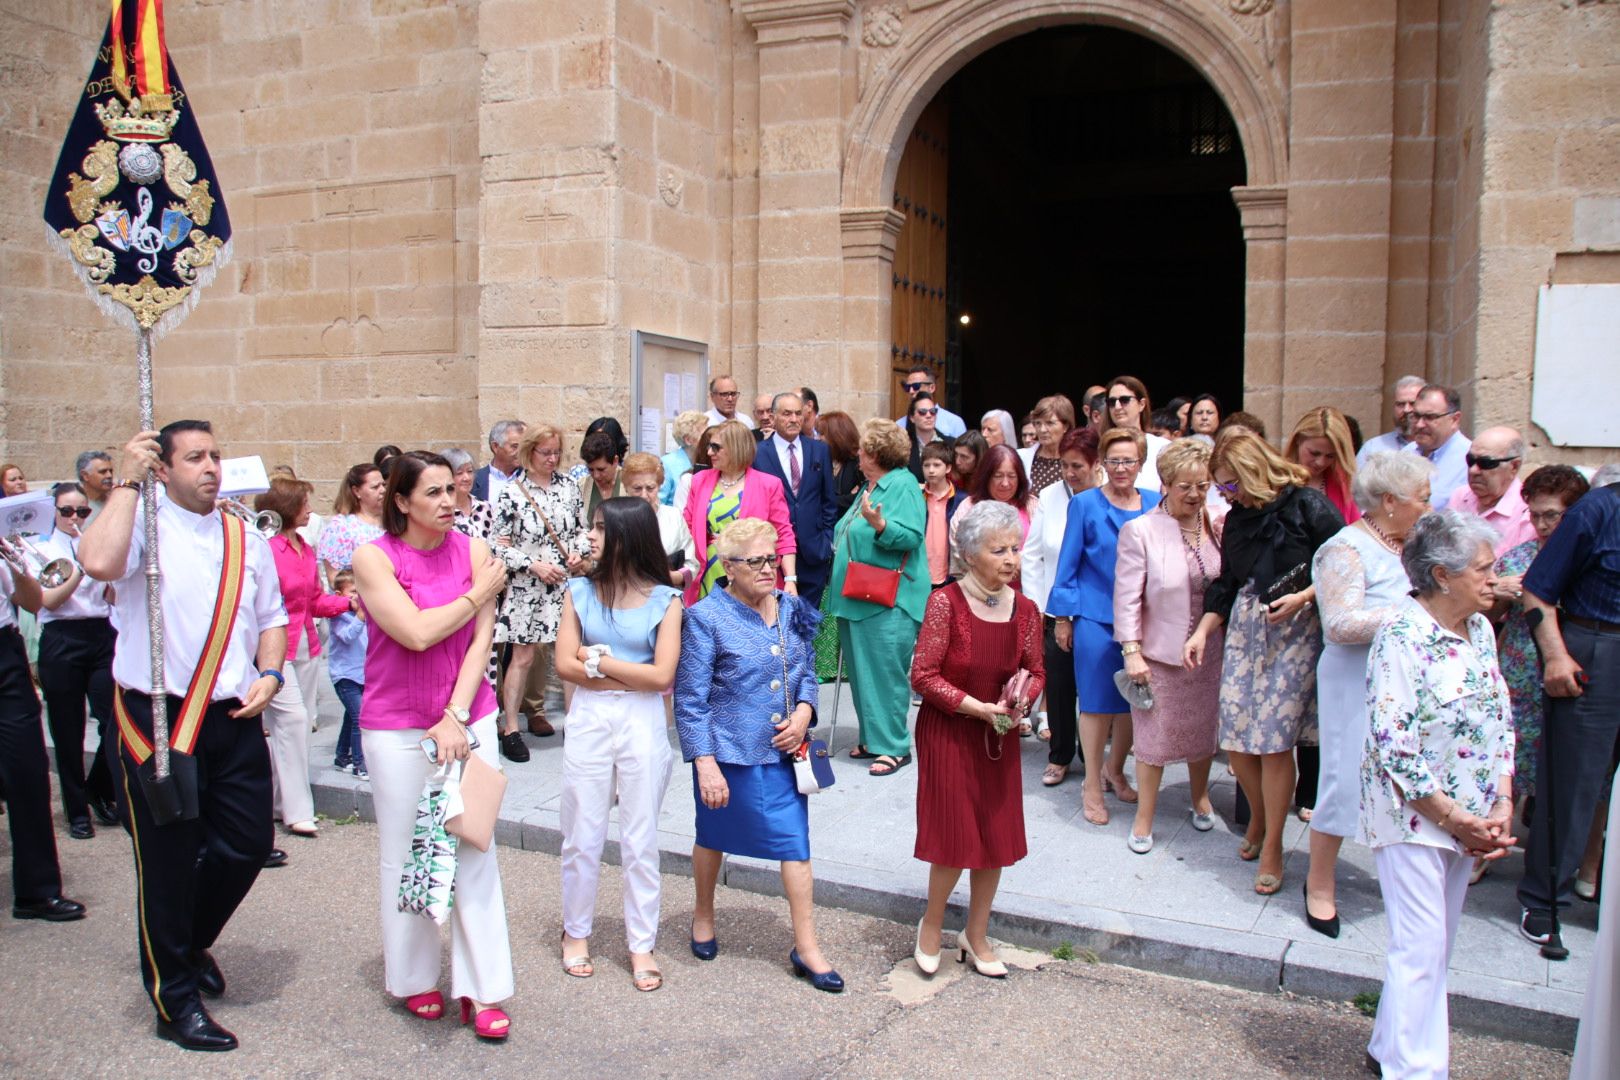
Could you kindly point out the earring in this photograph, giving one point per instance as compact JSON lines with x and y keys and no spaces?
{"x":1445,"y":590}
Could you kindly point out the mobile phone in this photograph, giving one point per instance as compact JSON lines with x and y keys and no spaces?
{"x":430,"y":745}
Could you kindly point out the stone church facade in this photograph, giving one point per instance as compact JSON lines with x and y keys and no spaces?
{"x":452,"y":211}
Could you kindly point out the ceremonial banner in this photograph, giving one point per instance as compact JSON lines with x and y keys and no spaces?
{"x":134,"y":203}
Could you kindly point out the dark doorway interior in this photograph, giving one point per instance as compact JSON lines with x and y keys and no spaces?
{"x":1092,"y":229}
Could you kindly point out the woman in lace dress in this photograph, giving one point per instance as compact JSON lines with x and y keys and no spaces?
{"x":542,"y":516}
{"x":1359,"y":586}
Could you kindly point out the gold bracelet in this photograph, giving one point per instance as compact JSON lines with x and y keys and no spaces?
{"x":470,"y":600}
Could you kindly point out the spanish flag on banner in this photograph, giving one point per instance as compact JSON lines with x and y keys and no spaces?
{"x":134,"y":203}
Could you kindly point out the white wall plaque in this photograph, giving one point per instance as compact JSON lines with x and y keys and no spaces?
{"x":1577,"y":366}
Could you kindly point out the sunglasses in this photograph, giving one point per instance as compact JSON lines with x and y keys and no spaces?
{"x":1485,"y":463}
{"x":1230,"y":487}
{"x":80,"y":512}
{"x":756,"y":562}
{"x":913,"y":387}
{"x":715,"y":448}
{"x":927,"y":412}
{"x":1123,"y":399}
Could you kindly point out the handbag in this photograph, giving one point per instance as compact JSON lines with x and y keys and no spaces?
{"x":812,"y":761}
{"x":865,"y":581}
{"x":1291,"y":582}
{"x":1015,"y":699}
{"x":427,"y":885}
{"x":475,"y":802}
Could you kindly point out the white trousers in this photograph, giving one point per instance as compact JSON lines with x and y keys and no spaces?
{"x":1424,"y":888}
{"x":286,"y":721}
{"x":608,"y":732}
{"x":480,"y":953}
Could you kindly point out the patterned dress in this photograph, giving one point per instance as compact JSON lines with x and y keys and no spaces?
{"x":532,"y":609}
{"x":723,"y":509}
{"x":476,"y":522}
{"x":1521,"y":668}
{"x":1183,"y":722}
{"x":341,"y":534}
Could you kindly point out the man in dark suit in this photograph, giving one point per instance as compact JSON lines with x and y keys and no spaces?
{"x":504,"y":439}
{"x":805,"y":468}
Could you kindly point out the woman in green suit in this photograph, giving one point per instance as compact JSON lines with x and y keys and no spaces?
{"x":883,"y":528}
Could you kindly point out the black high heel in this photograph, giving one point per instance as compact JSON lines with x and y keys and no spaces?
{"x":1329,"y":927}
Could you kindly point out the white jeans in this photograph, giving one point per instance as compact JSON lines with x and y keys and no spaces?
{"x":480,"y":954}
{"x":1424,"y":888}
{"x":286,"y":720}
{"x":612,"y":731}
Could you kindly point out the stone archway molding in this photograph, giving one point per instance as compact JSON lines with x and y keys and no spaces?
{"x":951,"y":34}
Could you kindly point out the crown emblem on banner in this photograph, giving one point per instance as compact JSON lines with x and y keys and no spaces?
{"x":150,"y":120}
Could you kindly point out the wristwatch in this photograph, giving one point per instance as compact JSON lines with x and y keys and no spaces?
{"x":791,"y":577}
{"x":463,"y":716}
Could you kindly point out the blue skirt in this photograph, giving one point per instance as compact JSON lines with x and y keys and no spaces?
{"x":1096,"y":658}
{"x":766,"y":818}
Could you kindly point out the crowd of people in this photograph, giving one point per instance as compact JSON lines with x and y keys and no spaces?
{"x":1407,"y":641}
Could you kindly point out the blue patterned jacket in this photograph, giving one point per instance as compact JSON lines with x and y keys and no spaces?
{"x":729,"y":686}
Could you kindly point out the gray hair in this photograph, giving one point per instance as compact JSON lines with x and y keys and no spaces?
{"x":1390,"y":472}
{"x":457,"y":457}
{"x":1002,"y":417}
{"x":776,"y":402}
{"x":1606,"y":475}
{"x":980,"y":522}
{"x":1406,"y":382}
{"x":84,"y":460}
{"x":502,"y":428}
{"x":1448,"y":538}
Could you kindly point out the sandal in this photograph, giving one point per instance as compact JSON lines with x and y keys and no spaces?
{"x":1267,"y":884}
{"x":1249,"y":852}
{"x":1025,"y":730}
{"x":428,"y":1006}
{"x":580,"y":967}
{"x":861,"y":753}
{"x":1054,"y":775}
{"x":491,"y":1023}
{"x":1305,"y":813}
{"x":645,"y":975}
{"x":889,"y":764}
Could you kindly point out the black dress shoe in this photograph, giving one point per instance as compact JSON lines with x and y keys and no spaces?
{"x":1330,"y":927}
{"x":513,"y":748}
{"x":276,"y":858}
{"x":210,"y":980}
{"x":196,"y":1030}
{"x":56,"y":909}
{"x":1373,"y":1066}
{"x":81,"y":829}
{"x":106,"y":810}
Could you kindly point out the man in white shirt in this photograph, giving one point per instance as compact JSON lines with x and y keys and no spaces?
{"x":192,"y":871}
{"x":723,"y":394}
{"x":504,"y":439}
{"x":1407,"y":388}
{"x":1437,"y":431}
{"x":920,"y":380}
{"x":36,"y":874}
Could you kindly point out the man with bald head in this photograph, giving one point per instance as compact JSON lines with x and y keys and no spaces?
{"x":1493,"y":490}
{"x":1437,"y":430}
{"x":723,"y":394}
{"x":762,"y":417}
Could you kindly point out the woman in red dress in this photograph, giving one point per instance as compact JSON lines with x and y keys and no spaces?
{"x":976,"y":635}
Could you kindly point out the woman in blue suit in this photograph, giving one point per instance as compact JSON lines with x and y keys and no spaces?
{"x":745,"y":694}
{"x":1082,"y":599}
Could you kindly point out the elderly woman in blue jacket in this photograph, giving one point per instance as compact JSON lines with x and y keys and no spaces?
{"x":745,"y":694}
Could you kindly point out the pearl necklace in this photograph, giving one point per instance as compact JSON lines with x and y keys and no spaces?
{"x":728,"y":484}
{"x":1382,"y":537}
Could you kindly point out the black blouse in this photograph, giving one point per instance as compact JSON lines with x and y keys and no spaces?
{"x":1262,"y":545}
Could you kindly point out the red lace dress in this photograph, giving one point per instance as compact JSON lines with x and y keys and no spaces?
{"x":970,"y":795}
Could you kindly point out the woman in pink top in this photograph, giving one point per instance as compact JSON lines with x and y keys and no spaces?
{"x":730,"y":489}
{"x":430,"y":594}
{"x":291,"y":713}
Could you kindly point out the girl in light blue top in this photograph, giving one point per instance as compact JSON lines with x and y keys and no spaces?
{"x":618,"y":642}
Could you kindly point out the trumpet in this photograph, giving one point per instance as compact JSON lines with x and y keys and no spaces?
{"x":267,"y":522}
{"x":50,"y":572}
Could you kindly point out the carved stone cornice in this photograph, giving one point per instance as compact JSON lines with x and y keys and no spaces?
{"x":870,"y":232}
{"x":797,"y":20}
{"x":1263,"y":212}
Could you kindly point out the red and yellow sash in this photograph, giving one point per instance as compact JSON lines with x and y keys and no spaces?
{"x":151,"y":78}
{"x":187,"y":726}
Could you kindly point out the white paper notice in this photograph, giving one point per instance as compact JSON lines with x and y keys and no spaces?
{"x":242,"y":476}
{"x":647,"y":437}
{"x":672,"y":393}
{"x":32,"y":513}
{"x":689,"y":390}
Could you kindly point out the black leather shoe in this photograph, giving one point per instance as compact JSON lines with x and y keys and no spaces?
{"x":81,"y":829}
{"x":56,"y":909}
{"x":1330,"y":927}
{"x":1373,"y":1066}
{"x":210,"y":980}
{"x":276,"y":858}
{"x":513,"y":748}
{"x":196,"y":1030}
{"x":106,"y":810}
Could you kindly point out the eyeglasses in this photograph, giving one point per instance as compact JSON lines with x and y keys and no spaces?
{"x":928,"y":412}
{"x":1227,"y":488}
{"x":913,"y":387}
{"x":1121,"y":462}
{"x":1551,"y":517}
{"x":80,"y":512}
{"x":715,"y":448}
{"x":1187,"y":488}
{"x":1123,"y":399}
{"x":1485,"y":463}
{"x":725,"y":393}
{"x":557,"y":453}
{"x":1431,"y":417}
{"x":756,"y":562}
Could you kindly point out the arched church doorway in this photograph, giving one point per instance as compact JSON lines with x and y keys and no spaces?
{"x":1068,"y":216}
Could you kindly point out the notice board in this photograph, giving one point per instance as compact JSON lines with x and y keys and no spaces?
{"x":668,"y":375}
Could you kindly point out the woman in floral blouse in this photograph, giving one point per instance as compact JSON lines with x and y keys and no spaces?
{"x":1436,"y":777}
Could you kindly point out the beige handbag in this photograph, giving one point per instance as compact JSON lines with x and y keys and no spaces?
{"x":476,"y":804}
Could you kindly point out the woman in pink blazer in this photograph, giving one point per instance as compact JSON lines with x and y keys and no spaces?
{"x":730,"y":488}
{"x":1166,"y":560}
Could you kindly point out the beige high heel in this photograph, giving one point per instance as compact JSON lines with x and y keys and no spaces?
{"x":990,"y":969}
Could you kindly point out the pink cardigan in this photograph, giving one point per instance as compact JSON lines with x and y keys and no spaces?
{"x":1152,"y":590}
{"x":302,"y":596}
{"x":762,"y":497}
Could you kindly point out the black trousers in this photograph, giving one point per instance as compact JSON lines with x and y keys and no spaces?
{"x":1062,"y":699}
{"x":191,"y":875}
{"x":75,"y":665}
{"x":25,"y":776}
{"x":1577,"y":744}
